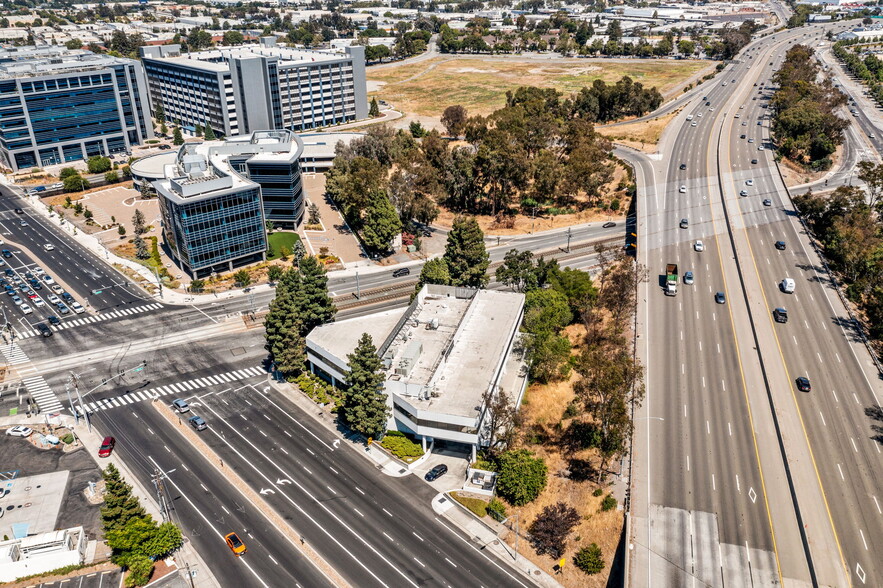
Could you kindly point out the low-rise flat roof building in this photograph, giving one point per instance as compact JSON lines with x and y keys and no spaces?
{"x":42,"y":553}
{"x":441,"y":355}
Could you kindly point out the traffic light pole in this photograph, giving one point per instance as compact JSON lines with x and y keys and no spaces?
{"x":75,"y":378}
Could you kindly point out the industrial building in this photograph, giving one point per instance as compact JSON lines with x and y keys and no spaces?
{"x":59,"y":105}
{"x":216,"y":197}
{"x":237,"y":90}
{"x":441,"y":354}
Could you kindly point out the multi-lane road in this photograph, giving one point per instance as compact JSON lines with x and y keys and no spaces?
{"x":740,"y":478}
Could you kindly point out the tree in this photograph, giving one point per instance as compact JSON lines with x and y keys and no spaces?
{"x":197,"y":129}
{"x":140,"y":569}
{"x":315,"y":217}
{"x":416,"y":129}
{"x":199,"y":39}
{"x":120,"y":505}
{"x":517,"y":271}
{"x":374,"y":109}
{"x":298,"y":251}
{"x":233,"y":38}
{"x":141,"y":250}
{"x":520,"y":476}
{"x":177,"y":137}
{"x":274,"y":273}
{"x":454,"y":119}
{"x":242,"y":278}
{"x":381,"y":223}
{"x":163,"y":129}
{"x":499,"y":426}
{"x":549,"y":531}
{"x":548,"y":356}
{"x":165,"y":540}
{"x":315,"y":306}
{"x":872,"y":175}
{"x":364,"y":402}
{"x":546,"y":310}
{"x":68,"y":172}
{"x":210,"y":133}
{"x":159,"y":113}
{"x":75,"y":183}
{"x":465,"y":254}
{"x":98,"y":164}
{"x":589,"y":559}
{"x":111,"y":177}
{"x":139,"y":224}
{"x":121,"y":230}
{"x":74,"y":44}
{"x":434,"y":271}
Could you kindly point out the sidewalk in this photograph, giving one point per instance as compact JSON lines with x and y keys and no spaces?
{"x":186,"y":557}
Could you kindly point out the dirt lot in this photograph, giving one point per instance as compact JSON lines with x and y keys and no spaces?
{"x":643,"y":135}
{"x":480,"y":83}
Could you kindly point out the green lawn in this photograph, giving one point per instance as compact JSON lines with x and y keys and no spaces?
{"x":278,"y":240}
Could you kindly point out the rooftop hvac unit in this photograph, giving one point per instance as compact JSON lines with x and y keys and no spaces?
{"x":433,"y":324}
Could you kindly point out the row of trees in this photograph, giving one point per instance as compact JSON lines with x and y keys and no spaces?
{"x":804,"y":123}
{"x":135,"y":538}
{"x":869,"y":69}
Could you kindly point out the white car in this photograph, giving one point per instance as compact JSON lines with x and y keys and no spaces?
{"x":693,"y":124}
{"x":19,"y":431}
{"x":26,"y":308}
{"x":48,"y":279}
{"x":699,"y":246}
{"x":57,"y":288}
{"x":39,"y":271}
{"x":742,"y":107}
{"x":682,"y":189}
{"x":737,"y":115}
{"x":53,"y":299}
{"x":760,"y":147}
{"x":49,"y":247}
{"x":77,"y":307}
{"x":751,"y":140}
{"x":749,"y":182}
{"x":38,"y":302}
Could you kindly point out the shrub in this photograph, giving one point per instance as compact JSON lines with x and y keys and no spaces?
{"x":614,"y":204}
{"x":609,"y":503}
{"x":550,"y":529}
{"x":476,"y":506}
{"x":111,"y":177}
{"x":401,"y":447}
{"x":67,"y":439}
{"x":98,"y":164}
{"x":589,"y":559}
{"x":597,"y":492}
{"x":496,"y":509}
{"x":521,"y":476}
{"x":68,"y":172}
{"x":75,"y":183}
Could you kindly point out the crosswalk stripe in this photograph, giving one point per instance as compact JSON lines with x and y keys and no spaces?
{"x":103,"y":316}
{"x":176,"y":387}
{"x":166,"y":390}
{"x":140,"y":394}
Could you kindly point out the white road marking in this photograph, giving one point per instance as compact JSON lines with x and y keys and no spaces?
{"x":358,"y":513}
{"x":841,"y":472}
{"x":877,"y":505}
{"x":835,"y":396}
{"x":863,"y":539}
{"x":708,"y":427}
{"x":730,"y":429}
{"x":416,"y":535}
{"x":854,"y":446}
{"x":713,"y":485}
{"x":823,"y":418}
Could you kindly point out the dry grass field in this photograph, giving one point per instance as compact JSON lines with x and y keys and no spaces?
{"x":639,"y":135}
{"x":480,"y":83}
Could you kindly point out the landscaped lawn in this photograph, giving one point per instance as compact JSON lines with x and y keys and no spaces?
{"x":427,"y":88}
{"x":278,"y":240}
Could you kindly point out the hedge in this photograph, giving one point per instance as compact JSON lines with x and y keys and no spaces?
{"x":400,"y":446}
{"x":477,"y":506}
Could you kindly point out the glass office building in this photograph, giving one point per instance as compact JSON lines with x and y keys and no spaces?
{"x":58,"y":106}
{"x":217,"y":196}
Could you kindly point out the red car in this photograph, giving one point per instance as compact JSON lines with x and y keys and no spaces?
{"x":107,"y":447}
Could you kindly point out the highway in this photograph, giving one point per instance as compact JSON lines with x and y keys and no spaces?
{"x":746,"y":477}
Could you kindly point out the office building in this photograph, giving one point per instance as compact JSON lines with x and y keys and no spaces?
{"x":59,"y":105}
{"x":216,"y":197}
{"x":22,"y":557}
{"x":237,"y":90}
{"x":441,"y":354}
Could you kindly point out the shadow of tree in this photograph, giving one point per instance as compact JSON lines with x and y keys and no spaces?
{"x":876,"y":413}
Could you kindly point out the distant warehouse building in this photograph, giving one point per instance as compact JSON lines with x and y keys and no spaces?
{"x":216,"y":197}
{"x":59,"y":105}
{"x":238,"y":90}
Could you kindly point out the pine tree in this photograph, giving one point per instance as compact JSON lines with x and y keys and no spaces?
{"x":364,"y":402}
{"x":209,"y":133}
{"x":120,"y":505}
{"x":141,"y":251}
{"x":177,"y":137}
{"x":298,"y":251}
{"x":163,"y":129}
{"x":466,"y":255}
{"x":198,"y":130}
{"x":279,"y":320}
{"x":138,"y":222}
{"x":160,"y":114}
{"x":315,"y":306}
{"x":374,"y":109}
{"x":381,"y":222}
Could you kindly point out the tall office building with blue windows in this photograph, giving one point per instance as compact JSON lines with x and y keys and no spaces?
{"x":217,"y":196}
{"x":59,"y":105}
{"x":238,"y":90}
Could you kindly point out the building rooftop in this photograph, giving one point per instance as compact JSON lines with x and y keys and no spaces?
{"x":340,"y":338}
{"x":218,"y":58}
{"x":30,"y":61}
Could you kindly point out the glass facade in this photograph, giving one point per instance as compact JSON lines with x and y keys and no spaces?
{"x":281,"y":190}
{"x":216,"y":230}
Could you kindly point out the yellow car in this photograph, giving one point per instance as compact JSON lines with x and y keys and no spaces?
{"x":235,"y":544}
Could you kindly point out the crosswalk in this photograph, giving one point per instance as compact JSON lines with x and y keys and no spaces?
{"x":36,"y":386}
{"x":24,"y":333}
{"x":185,"y":388}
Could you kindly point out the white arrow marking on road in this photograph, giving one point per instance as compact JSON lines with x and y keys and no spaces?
{"x":283,"y":481}
{"x":267,"y":491}
{"x":336,"y":443}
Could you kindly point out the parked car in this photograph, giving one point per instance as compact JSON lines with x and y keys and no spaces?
{"x":77,"y":307}
{"x":436,"y":472}
{"x":19,"y":431}
{"x":6,"y":253}
{"x":26,"y":308}
{"x":107,"y":447}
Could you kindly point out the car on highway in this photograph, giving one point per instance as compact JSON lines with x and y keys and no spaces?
{"x":44,"y":329}
{"x":751,"y":140}
{"x":53,"y":320}
{"x":682,"y":189}
{"x":737,"y":115}
{"x":683,"y":166}
{"x":743,"y":193}
{"x":767,"y":202}
{"x":19,"y":211}
{"x":720,"y":298}
{"x":787,"y":286}
{"x":403,"y":271}
{"x":803,"y":384}
{"x":760,"y":147}
{"x":744,"y":123}
{"x":436,"y":472}
{"x":693,"y":124}
{"x":22,"y":223}
{"x":699,"y":246}
{"x":780,"y":245}
{"x":107,"y":447}
{"x":780,"y":315}
{"x":754,"y":161}
{"x":26,"y":308}
{"x":235,"y":544}
{"x":688,"y":278}
{"x":49,"y":247}
{"x":684,"y":223}
{"x":749,"y":182}
{"x":19,"y":431}
{"x":742,"y":136}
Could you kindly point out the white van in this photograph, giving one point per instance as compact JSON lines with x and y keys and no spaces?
{"x":787,"y":286}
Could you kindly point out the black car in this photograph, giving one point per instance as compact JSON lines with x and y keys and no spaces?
{"x":44,"y":329}
{"x":754,"y":161}
{"x":683,"y":166}
{"x":780,"y":245}
{"x":35,"y":284}
{"x":53,"y":320}
{"x":164,"y":147}
{"x":9,"y":272}
{"x":436,"y":472}
{"x":781,"y":315}
{"x":67,"y":297}
{"x":19,"y":211}
{"x":608,"y":224}
{"x":401,"y":272}
{"x":720,"y":298}
{"x":6,"y":253}
{"x":803,"y":384}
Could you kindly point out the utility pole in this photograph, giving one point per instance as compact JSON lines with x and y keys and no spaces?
{"x":568,"y":239}
{"x":160,"y":494}
{"x":158,"y":281}
{"x":358,"y":293}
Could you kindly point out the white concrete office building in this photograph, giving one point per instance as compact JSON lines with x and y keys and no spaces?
{"x":441,"y":355}
{"x":238,"y":90}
